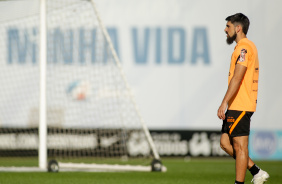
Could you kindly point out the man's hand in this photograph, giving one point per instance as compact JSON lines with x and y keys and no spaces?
{"x":221,"y":110}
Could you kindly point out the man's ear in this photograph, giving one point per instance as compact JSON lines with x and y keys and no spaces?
{"x":238,"y":28}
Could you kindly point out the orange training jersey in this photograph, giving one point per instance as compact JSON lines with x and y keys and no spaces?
{"x":245,"y":53}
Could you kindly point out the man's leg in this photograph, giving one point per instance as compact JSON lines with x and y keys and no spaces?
{"x":260,"y":176}
{"x":227,"y":145}
{"x":240,"y":145}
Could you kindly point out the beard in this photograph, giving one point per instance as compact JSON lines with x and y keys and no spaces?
{"x":231,"y":39}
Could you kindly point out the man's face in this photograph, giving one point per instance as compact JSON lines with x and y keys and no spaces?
{"x":230,"y":33}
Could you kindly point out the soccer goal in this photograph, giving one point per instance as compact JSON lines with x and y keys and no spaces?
{"x":65,"y":102}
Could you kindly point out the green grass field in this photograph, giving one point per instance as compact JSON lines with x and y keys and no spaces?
{"x":193,"y":171}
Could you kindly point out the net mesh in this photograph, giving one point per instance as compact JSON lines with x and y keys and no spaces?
{"x":90,"y":111}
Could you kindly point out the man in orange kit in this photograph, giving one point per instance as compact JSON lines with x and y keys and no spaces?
{"x":240,"y":99}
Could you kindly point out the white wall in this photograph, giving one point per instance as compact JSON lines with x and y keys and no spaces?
{"x":186,"y":95}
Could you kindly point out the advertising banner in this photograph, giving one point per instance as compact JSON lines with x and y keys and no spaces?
{"x":112,"y":142}
{"x":265,"y":145}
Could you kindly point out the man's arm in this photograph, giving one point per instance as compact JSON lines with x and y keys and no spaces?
{"x":233,"y":87}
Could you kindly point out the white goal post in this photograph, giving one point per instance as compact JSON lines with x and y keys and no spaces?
{"x":42,"y":101}
{"x":84,"y":105}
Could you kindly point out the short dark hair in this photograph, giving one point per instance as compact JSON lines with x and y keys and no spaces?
{"x":241,"y":19}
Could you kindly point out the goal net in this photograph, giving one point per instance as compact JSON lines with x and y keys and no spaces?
{"x":92,"y":119}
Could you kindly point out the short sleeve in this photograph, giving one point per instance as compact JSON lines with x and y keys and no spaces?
{"x":242,"y":55}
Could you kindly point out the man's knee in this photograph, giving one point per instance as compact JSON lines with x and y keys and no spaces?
{"x":223,"y":145}
{"x":224,"y":142}
{"x":240,"y":148}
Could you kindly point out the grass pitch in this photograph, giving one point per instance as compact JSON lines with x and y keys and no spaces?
{"x":180,"y":171}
